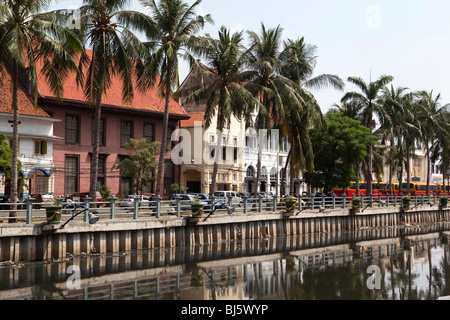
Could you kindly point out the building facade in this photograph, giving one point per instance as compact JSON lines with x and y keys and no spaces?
{"x":36,"y":141}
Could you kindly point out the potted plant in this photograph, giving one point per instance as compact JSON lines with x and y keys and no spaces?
{"x":197,"y":208}
{"x":406,"y":201}
{"x":53,"y":213}
{"x":443,"y":201}
{"x":356,"y":203}
{"x":290,"y":204}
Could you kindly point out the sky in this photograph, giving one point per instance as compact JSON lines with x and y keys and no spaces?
{"x":407,"y":39}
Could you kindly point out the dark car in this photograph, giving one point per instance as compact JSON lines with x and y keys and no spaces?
{"x":3,"y":201}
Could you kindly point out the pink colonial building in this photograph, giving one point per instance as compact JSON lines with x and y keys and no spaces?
{"x":142,"y":118}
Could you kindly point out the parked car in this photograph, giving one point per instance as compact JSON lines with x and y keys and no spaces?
{"x":98,"y":196}
{"x":128,"y":201}
{"x":4,"y":199}
{"x":42,"y":200}
{"x":186,"y":200}
{"x":224,"y":195}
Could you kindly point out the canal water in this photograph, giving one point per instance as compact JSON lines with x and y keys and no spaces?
{"x":401,"y":263}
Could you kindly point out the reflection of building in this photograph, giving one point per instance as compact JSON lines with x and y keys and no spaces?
{"x":35,"y":141}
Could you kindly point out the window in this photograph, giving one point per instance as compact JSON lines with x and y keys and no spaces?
{"x":126,"y":132}
{"x":101,"y":172}
{"x":101,"y":138}
{"x":235,"y":154}
{"x":224,"y":153}
{"x":168,"y":175}
{"x":72,"y":129}
{"x":72,"y":174}
{"x":40,"y":147}
{"x":169,"y":143}
{"x":148,"y":132}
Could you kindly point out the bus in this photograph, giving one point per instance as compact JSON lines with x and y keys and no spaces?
{"x":419,"y":188}
{"x":350,"y":191}
{"x":441,"y":189}
{"x":395,"y":187}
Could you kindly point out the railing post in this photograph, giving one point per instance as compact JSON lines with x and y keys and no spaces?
{"x":87,"y":201}
{"x":230,"y":201}
{"x":245,"y":198}
{"x":259,"y":203}
{"x":323,"y":200}
{"x":275,"y":199}
{"x":371,"y":200}
{"x":178,"y":203}
{"x":29,"y":210}
{"x":395,"y":200}
{"x":158,"y":206}
{"x":113,"y":207}
{"x":300,"y":205}
{"x":387,"y":199}
{"x":344,"y":201}
{"x":379,"y":200}
{"x":312,"y":202}
{"x":415,"y":200}
{"x":333,"y":201}
{"x":135,"y":208}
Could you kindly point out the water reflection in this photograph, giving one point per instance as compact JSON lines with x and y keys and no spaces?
{"x":413,"y":265}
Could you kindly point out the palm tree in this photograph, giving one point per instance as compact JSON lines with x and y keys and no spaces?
{"x":273,"y":90}
{"x":171,"y":27}
{"x":29,"y":37}
{"x":392,"y":121}
{"x":116,"y":51}
{"x":223,"y":90}
{"x":367,"y":102}
{"x":441,"y":151}
{"x":432,"y":123}
{"x":297,"y":63}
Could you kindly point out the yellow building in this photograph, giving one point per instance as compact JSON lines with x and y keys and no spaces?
{"x":197,"y":166}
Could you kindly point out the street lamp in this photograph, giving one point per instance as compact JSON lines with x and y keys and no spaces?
{"x":91,"y":218}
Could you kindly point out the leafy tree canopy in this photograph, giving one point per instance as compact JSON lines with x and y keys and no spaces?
{"x":339,"y":147}
{"x":139,"y":165}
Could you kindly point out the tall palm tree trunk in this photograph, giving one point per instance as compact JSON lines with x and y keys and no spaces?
{"x":95,"y":148}
{"x":163,"y":142}
{"x":219,"y":127}
{"x":15,"y":142}
{"x":408,"y":171}
{"x":283,"y":178}
{"x":428,"y":169}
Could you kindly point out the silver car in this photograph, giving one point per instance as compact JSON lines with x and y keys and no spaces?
{"x":128,"y":201}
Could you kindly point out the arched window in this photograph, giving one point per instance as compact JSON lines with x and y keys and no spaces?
{"x":250,"y":172}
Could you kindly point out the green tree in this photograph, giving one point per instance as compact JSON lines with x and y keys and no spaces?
{"x":5,"y":156}
{"x":116,"y":51}
{"x":170,"y":27}
{"x":29,"y":37}
{"x":338,"y":146}
{"x":140,"y":165}
{"x":223,"y":89}
{"x":367,"y":101}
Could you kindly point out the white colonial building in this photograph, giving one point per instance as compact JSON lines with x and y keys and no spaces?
{"x":35,"y":142}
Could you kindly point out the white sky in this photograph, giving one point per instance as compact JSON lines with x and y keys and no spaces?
{"x":408,"y":39}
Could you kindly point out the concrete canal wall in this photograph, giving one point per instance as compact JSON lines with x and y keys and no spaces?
{"x":21,"y":242}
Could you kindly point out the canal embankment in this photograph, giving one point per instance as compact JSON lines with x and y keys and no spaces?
{"x":32,"y":242}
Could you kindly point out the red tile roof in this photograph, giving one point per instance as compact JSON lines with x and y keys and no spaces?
{"x":148,"y":101}
{"x":190,"y":123}
{"x":26,"y":107}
